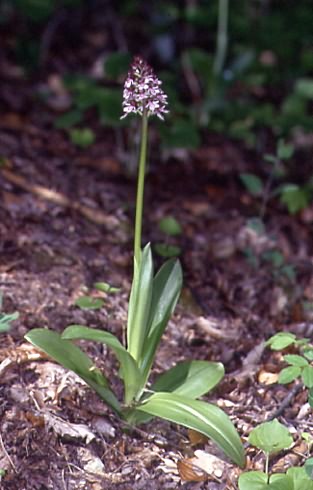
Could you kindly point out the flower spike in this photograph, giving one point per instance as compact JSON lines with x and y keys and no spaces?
{"x":142,"y":91}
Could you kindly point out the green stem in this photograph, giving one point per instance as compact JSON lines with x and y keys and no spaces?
{"x":267,"y":457}
{"x":221,"y":38}
{"x":140,"y":186}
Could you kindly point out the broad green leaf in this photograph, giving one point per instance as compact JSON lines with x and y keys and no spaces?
{"x":106,"y":287}
{"x":280,"y":481}
{"x":270,"y":437}
{"x":308,"y":467}
{"x":167,"y":286}
{"x":253,"y":183}
{"x":308,"y":353}
{"x":73,"y":358}
{"x":257,"y":480}
{"x":89,"y":303}
{"x":198,"y":415}
{"x":307,"y":376}
{"x":289,"y":374}
{"x":296,"y":360}
{"x":295,"y":197}
{"x":139,"y":304}
{"x":253,"y":480}
{"x":130,"y":371}
{"x":280,"y":340}
{"x":190,"y":378}
{"x":301,"y":480}
{"x":170,"y":226}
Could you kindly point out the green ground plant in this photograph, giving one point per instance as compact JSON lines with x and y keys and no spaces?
{"x":271,"y":438}
{"x":6,"y":319}
{"x":173,"y":395}
{"x":293,"y":196}
{"x":170,"y":227}
{"x":299,"y":365}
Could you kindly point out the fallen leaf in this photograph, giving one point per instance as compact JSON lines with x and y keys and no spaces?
{"x":196,"y":437}
{"x":189,"y":471}
{"x":267,"y":378}
{"x":68,"y":430}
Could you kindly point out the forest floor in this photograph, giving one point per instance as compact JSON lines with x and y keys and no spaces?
{"x":66,"y":222}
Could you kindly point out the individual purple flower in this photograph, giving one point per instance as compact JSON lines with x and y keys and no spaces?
{"x":142,"y":91}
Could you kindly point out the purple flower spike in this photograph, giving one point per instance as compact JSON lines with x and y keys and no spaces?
{"x":142,"y":91}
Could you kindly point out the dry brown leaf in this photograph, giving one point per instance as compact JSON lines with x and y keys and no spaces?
{"x":188,"y":471}
{"x":21,"y":354}
{"x":211,"y":328}
{"x":196,"y":437}
{"x":267,"y":378}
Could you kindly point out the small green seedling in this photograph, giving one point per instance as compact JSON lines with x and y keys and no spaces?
{"x":300,"y":365}
{"x":82,"y":137}
{"x":95,"y":303}
{"x":173,"y":395}
{"x":271,"y":438}
{"x":252,"y":183}
{"x":105,"y":287}
{"x":2,"y":473}
{"x":171,"y":228}
{"x":293,"y":196}
{"x":89,"y":303}
{"x":5,"y":320}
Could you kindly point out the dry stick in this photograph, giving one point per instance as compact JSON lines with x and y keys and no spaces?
{"x":292,"y":393}
{"x":94,"y":215}
{"x":7,"y":454}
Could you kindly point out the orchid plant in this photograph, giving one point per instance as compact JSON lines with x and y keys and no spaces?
{"x":173,"y":395}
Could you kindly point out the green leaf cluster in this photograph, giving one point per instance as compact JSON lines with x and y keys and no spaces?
{"x":299,"y":365}
{"x":173,"y":395}
{"x":272,"y":437}
{"x":293,"y":479}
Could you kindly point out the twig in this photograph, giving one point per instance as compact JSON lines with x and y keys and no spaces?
{"x":222,"y":37}
{"x":7,"y":454}
{"x":94,"y":215}
{"x":280,"y":410}
{"x":63,"y":479}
